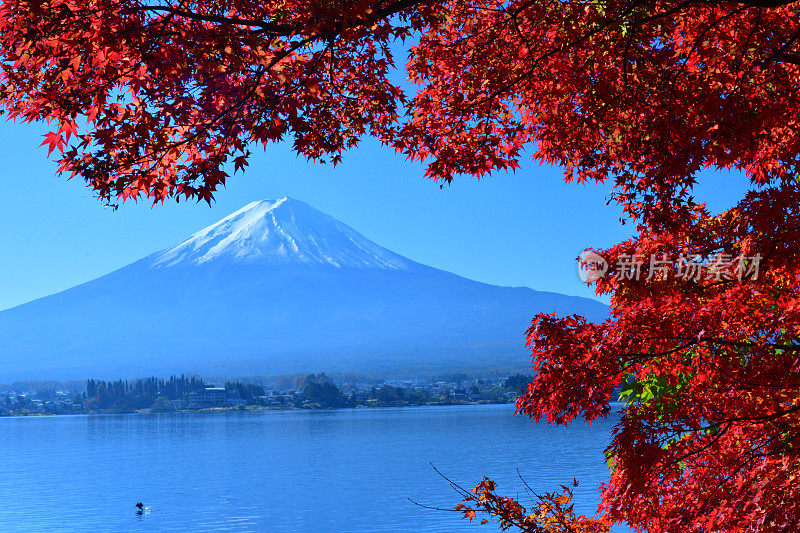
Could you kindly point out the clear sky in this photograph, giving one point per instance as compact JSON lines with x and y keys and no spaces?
{"x":525,"y":228}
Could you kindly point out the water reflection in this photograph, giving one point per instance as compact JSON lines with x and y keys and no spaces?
{"x":350,"y":470}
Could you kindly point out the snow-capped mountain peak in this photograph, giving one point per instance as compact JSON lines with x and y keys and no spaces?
{"x":275,"y":288}
{"x":280,"y":232}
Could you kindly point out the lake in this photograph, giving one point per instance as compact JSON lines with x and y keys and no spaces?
{"x":339,"y":470}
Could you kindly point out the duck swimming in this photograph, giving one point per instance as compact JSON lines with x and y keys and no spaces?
{"x":142,"y":508}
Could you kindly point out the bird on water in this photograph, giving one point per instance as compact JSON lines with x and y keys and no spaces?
{"x":142,"y":508}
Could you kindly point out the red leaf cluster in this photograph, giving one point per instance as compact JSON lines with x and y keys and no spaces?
{"x":550,"y":512}
{"x":156,"y":97}
{"x":709,"y":370}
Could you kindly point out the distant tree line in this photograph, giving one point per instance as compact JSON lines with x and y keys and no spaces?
{"x":310,"y":391}
{"x":319,"y":390}
{"x":123,"y":395}
{"x":245,"y":391}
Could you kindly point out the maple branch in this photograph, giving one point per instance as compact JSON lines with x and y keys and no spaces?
{"x":469,"y":496}
{"x":764,"y":418}
{"x":269,"y":27}
{"x":758,"y":3}
{"x":743,"y":344}
{"x":783,"y":50}
{"x":286,"y":30}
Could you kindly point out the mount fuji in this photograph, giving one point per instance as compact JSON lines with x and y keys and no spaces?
{"x":276,"y":287}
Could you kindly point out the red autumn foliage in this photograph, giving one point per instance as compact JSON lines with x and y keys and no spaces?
{"x":551,"y":512}
{"x":710,"y":434}
{"x":152,"y":99}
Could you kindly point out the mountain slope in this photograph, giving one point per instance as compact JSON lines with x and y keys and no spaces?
{"x":277,"y":287}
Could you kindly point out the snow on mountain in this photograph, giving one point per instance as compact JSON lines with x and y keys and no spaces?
{"x":274,"y":288}
{"x":281,"y":231}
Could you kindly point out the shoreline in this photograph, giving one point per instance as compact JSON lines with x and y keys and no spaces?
{"x":249,"y":409}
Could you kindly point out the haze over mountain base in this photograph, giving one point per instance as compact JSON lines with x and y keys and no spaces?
{"x":277,"y":287}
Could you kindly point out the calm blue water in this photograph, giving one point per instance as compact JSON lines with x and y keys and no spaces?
{"x":339,"y":471}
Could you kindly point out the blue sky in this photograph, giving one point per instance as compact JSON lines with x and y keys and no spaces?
{"x":515,"y":229}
